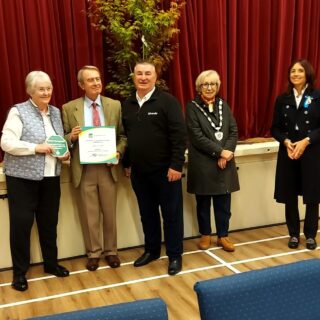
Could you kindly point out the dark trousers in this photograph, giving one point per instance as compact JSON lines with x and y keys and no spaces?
{"x":153,"y":190}
{"x":29,"y":199}
{"x":310,"y":227}
{"x":222,"y":213}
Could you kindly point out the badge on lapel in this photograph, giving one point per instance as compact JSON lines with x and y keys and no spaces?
{"x":307,"y":101}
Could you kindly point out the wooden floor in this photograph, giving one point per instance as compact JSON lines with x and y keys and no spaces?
{"x":255,"y":249}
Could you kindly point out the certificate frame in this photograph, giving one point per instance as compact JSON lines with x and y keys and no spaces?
{"x":97,"y":145}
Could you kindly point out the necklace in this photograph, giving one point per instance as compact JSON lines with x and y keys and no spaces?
{"x":218,"y":134}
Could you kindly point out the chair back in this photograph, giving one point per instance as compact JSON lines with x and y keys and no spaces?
{"x":290,"y":291}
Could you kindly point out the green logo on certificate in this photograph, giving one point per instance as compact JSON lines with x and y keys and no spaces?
{"x":59,"y":146}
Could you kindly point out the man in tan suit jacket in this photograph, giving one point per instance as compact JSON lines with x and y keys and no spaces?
{"x":95,"y":183}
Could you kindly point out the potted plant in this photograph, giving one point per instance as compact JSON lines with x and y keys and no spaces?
{"x":136,"y":29}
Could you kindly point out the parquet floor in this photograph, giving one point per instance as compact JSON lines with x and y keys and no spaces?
{"x":255,"y":249}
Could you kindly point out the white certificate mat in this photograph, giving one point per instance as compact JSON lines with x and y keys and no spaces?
{"x":98,"y":145}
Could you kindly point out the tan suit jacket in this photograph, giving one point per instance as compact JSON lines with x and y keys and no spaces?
{"x":73,"y":115}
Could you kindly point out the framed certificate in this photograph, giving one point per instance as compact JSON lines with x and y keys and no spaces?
{"x":98,"y":145}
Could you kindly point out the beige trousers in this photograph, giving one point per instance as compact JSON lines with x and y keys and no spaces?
{"x":97,"y":206}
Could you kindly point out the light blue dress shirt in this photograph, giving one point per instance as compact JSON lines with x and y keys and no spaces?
{"x":88,"y":121}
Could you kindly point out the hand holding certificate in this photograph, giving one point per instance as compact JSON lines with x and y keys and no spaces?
{"x":98,"y":145}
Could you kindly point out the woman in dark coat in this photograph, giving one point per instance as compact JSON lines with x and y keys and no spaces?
{"x":212,"y":172}
{"x":296,"y":125}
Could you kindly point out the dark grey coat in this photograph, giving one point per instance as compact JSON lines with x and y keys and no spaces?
{"x":204,"y":175}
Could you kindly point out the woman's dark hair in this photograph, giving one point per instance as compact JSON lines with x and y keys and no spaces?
{"x":310,"y":76}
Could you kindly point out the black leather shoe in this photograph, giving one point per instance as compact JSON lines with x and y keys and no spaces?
{"x":175,"y":266}
{"x":19,"y":283}
{"x":311,"y":243}
{"x":293,"y":242}
{"x":58,"y":271}
{"x":146,"y":258}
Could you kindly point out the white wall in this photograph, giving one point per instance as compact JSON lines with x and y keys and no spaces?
{"x":252,"y":206}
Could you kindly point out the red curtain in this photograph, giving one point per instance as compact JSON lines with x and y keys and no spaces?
{"x":251,"y":44}
{"x":50,"y":35}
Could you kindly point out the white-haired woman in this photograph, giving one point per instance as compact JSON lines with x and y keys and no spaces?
{"x":212,"y":173}
{"x":32,"y":176}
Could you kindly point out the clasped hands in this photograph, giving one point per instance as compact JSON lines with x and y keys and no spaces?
{"x":225,"y":156}
{"x":296,"y":149}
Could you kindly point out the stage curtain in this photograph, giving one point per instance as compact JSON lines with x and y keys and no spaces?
{"x":54,"y":36}
{"x":251,"y":44}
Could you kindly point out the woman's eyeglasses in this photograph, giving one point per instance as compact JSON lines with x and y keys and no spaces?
{"x":207,"y":85}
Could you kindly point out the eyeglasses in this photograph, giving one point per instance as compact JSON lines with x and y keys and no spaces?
{"x":207,"y":85}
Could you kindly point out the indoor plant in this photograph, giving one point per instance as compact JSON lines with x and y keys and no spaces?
{"x":136,"y":29}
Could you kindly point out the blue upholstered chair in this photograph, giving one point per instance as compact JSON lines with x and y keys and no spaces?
{"x":154,"y":309}
{"x":290,"y":291}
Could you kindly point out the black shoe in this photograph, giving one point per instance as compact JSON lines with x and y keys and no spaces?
{"x":19,"y":283}
{"x":311,"y":243}
{"x":58,"y":271}
{"x":146,"y":258}
{"x":293,"y":242}
{"x":175,"y":266}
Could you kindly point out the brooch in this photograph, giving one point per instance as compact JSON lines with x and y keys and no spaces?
{"x":307,"y":101}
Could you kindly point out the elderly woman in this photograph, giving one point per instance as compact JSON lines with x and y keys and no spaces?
{"x":296,"y":125}
{"x":212,"y":172}
{"x":32,"y":176}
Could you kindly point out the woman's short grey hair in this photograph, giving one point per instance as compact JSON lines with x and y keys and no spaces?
{"x":34,"y":76}
{"x":205,"y":74}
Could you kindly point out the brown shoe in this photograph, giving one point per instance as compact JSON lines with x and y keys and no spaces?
{"x":113,"y":261}
{"x":226,"y":244}
{"x":204,"y":242}
{"x":92,"y":264}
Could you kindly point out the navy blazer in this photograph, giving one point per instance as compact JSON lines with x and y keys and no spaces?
{"x":302,"y":176}
{"x":306,"y":117}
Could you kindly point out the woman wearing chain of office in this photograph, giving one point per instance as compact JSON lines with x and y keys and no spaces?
{"x":212,"y":172}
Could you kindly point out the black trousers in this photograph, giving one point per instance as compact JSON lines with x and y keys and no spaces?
{"x":222,"y":213}
{"x":29,"y":199}
{"x":153,"y":190}
{"x":310,"y":227}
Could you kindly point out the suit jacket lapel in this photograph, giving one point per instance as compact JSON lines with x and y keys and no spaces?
{"x":301,"y":101}
{"x":79,"y":112}
{"x":106,"y":110}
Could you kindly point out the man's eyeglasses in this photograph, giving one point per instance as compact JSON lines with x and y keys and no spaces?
{"x":207,"y":85}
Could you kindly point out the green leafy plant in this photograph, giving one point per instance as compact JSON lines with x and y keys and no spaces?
{"x":136,"y":29}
